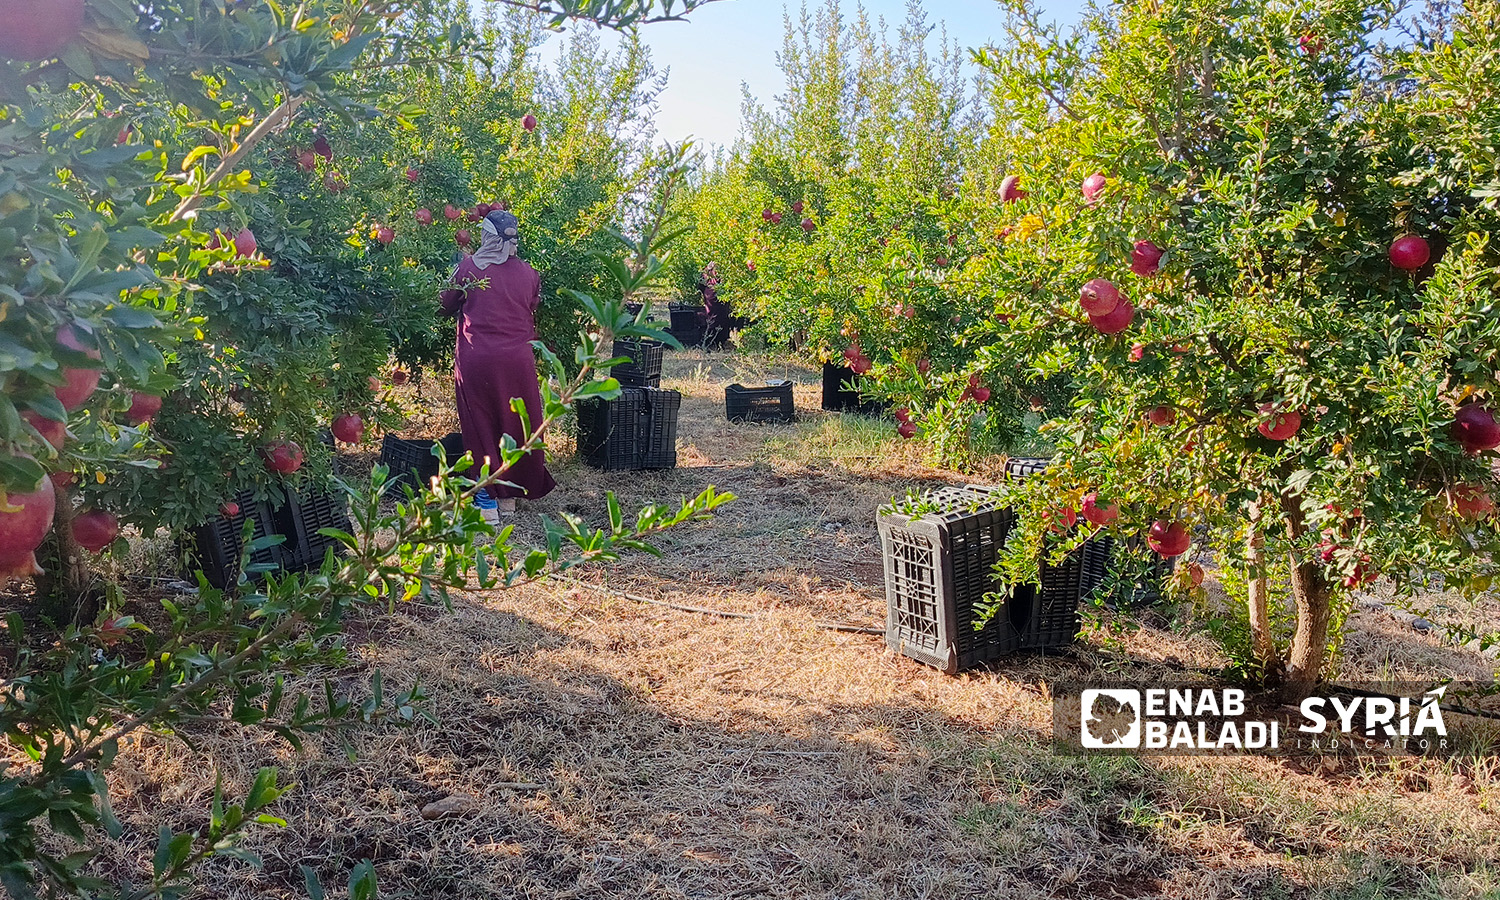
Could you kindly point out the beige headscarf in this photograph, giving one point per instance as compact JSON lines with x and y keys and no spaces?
{"x":499,"y":239}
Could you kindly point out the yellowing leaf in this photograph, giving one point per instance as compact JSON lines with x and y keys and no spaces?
{"x":99,"y":477}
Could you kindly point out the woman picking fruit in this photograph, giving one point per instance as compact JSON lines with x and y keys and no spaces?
{"x":495,"y":297}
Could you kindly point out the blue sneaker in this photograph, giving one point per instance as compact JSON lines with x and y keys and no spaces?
{"x":489,"y":507}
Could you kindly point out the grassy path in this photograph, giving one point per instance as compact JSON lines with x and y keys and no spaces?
{"x":665,"y":754}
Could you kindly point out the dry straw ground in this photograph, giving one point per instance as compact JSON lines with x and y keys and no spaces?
{"x":608,"y":748}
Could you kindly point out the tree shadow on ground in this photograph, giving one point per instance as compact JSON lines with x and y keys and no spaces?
{"x":595,"y":771}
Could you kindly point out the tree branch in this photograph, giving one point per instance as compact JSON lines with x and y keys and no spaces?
{"x":279,"y":117}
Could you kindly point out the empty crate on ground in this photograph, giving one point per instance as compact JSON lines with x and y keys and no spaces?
{"x":687,"y":323}
{"x":772,"y":403}
{"x":939,"y":561}
{"x":216,"y":548}
{"x":412,"y":462}
{"x":839,"y":398}
{"x":644,"y":368}
{"x":637,"y":430}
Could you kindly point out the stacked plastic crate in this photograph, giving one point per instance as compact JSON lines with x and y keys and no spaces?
{"x":638,"y":429}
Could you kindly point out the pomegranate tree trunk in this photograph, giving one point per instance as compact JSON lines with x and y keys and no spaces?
{"x":1313,"y":596}
{"x":1258,"y":602}
{"x":69,"y":588}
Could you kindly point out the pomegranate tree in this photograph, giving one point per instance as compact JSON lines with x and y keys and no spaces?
{"x":1326,"y":342}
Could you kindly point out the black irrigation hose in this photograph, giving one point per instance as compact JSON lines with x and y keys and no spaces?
{"x":723,"y":614}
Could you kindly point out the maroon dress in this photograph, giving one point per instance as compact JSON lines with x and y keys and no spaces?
{"x":495,"y":363}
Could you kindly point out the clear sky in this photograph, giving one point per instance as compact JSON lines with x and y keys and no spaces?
{"x":735,"y":42}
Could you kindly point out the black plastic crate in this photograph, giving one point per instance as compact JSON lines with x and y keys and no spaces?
{"x":772,"y":403}
{"x":839,"y":398}
{"x":215,"y":548}
{"x":687,"y":323}
{"x":411,"y":460}
{"x":1021,"y":468}
{"x":306,"y":512}
{"x":662,"y":410}
{"x":1063,"y":587}
{"x":939,"y":567}
{"x":1123,"y":581}
{"x":609,"y":431}
{"x":637,"y":430}
{"x":687,"y":337}
{"x":644,"y":368}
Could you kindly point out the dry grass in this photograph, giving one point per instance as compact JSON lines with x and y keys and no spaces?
{"x":684,"y":755}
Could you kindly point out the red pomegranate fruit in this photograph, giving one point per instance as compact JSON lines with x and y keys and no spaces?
{"x":1096,"y":515}
{"x":413,"y":175}
{"x":39,"y":29}
{"x":1471,"y":501}
{"x":1145,"y":258}
{"x":797,"y":207}
{"x":23,"y":528}
{"x":1061,"y":521}
{"x":1093,"y":186}
{"x":244,"y":243}
{"x":451,"y":212}
{"x":349,"y":428}
{"x":1281,"y":426}
{"x":307,"y":160}
{"x":229,"y":510}
{"x":335,"y":183}
{"x":385,"y":235}
{"x":528,"y":122}
{"x":907,"y":430}
{"x":1195,"y":575}
{"x":400,"y":376}
{"x":55,"y":433}
{"x":1099,"y":297}
{"x":1168,"y":538}
{"x":1410,"y":253}
{"x":1116,"y":321}
{"x":463,"y":237}
{"x":980,"y":394}
{"x":1137,"y":352}
{"x":424,"y":216}
{"x":79,"y":384}
{"x":1475,"y":430}
{"x":1010,"y":189}
{"x":322,"y":147}
{"x":1162,"y":416}
{"x":284,"y":457}
{"x":95,"y":529}
{"x":143,"y":408}
{"x":808,"y":225}
{"x":924,"y":366}
{"x":1310,"y":43}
